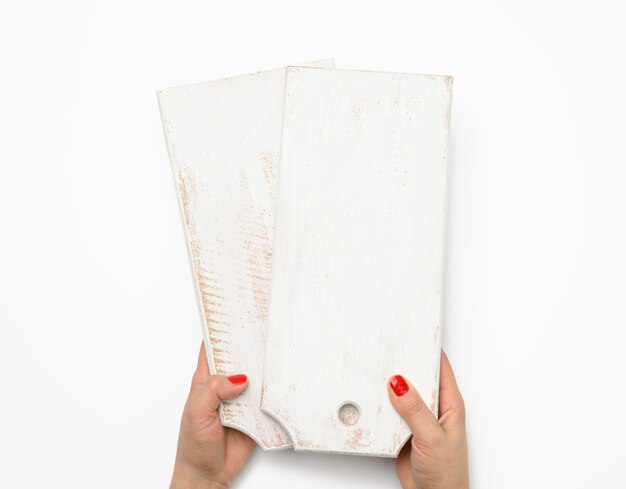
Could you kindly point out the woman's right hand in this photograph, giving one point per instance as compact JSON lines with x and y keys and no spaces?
{"x":436,"y":456}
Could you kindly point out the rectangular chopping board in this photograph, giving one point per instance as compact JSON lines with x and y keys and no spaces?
{"x":223,"y":140}
{"x":357,"y":273}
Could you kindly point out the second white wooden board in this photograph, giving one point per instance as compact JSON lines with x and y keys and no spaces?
{"x":223,"y":139}
{"x":356,"y":289}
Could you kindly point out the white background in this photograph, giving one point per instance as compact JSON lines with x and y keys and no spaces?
{"x":99,"y":328}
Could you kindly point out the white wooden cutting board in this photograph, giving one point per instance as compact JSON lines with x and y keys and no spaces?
{"x":356,"y":289}
{"x":223,"y":140}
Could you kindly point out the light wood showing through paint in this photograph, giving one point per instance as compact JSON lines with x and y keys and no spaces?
{"x":223,"y":140}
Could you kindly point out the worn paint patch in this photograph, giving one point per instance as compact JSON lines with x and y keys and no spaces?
{"x":223,"y":140}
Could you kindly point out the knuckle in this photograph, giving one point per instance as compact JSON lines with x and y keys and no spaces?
{"x":428,"y":439}
{"x":211,"y":383}
{"x":414,"y":405}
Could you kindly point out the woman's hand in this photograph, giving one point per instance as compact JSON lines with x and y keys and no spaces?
{"x":436,"y":456}
{"x":208,"y":455}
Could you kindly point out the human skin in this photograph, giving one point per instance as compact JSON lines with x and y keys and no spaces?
{"x":210,"y":456}
{"x":436,"y":455}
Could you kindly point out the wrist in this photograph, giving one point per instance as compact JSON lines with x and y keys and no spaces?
{"x":188,"y":478}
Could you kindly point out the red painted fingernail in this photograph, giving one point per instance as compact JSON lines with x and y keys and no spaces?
{"x":399,"y":385}
{"x":238,"y":379}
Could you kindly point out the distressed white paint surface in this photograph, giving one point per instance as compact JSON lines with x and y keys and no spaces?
{"x":223,"y":140}
{"x":356,"y":290}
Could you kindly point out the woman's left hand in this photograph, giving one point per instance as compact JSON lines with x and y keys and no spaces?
{"x":209,"y":455}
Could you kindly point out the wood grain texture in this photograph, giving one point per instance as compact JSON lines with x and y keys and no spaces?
{"x":223,"y":140}
{"x":358,"y":255}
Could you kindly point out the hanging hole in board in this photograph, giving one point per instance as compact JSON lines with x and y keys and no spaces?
{"x":348,"y":413}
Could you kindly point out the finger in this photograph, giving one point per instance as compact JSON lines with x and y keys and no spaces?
{"x":450,"y":398}
{"x":409,"y":404}
{"x":202,"y":368}
{"x":219,"y":388}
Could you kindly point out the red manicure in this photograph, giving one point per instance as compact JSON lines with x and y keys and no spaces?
{"x":399,"y":385}
{"x":238,"y":379}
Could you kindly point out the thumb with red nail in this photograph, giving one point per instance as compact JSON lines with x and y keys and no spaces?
{"x":436,"y":455}
{"x":209,"y":455}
